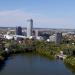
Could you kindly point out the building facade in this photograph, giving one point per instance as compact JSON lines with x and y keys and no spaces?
{"x":29,"y":27}
{"x":58,"y":38}
{"x":19,"y":30}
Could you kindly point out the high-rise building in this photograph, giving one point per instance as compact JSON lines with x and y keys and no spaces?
{"x":19,"y":31}
{"x":29,"y":27}
{"x":36,"y":33}
{"x":58,"y":38}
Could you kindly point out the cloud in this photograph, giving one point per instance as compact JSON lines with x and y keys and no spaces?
{"x":19,"y":18}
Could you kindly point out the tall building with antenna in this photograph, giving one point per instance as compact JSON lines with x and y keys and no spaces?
{"x":29,"y":27}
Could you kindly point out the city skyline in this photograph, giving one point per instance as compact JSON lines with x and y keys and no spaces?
{"x":45,"y":13}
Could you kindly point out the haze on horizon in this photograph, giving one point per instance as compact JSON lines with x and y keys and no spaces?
{"x":45,"y":13}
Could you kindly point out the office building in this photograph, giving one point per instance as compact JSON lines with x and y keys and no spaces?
{"x":29,"y":27}
{"x":19,"y":31}
{"x":58,"y":38}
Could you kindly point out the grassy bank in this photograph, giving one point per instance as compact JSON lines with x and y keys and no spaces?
{"x":45,"y":54}
{"x":70,"y":63}
{"x":45,"y":49}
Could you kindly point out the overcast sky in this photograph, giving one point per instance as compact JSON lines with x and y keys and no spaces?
{"x":45,"y":13}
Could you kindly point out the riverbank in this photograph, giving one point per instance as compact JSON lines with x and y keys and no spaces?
{"x":70,"y":62}
{"x":41,"y":48}
{"x":3,"y":56}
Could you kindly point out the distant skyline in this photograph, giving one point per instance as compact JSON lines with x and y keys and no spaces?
{"x":45,"y":13}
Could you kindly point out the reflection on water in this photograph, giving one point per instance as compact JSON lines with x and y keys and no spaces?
{"x":33,"y":65}
{"x":2,"y":65}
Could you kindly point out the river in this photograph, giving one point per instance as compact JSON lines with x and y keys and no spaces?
{"x":30,"y":64}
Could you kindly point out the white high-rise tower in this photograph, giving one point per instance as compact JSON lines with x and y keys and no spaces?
{"x":29,"y":27}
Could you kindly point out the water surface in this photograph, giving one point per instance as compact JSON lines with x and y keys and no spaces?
{"x":33,"y":65}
